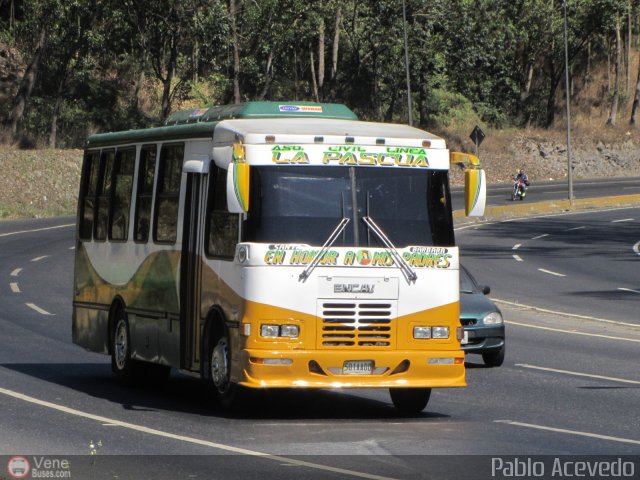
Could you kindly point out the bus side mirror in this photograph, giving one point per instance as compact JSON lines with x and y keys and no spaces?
{"x":238,"y":187}
{"x":475,"y":192}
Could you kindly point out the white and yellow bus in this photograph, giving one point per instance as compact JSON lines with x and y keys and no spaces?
{"x":272,"y":245}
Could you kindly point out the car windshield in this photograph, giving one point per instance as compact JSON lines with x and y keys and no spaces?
{"x":303,"y":204}
{"x":467,"y":283}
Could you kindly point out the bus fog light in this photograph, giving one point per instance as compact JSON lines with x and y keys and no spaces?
{"x":271,"y":361}
{"x":440,"y":361}
{"x":440,"y":332}
{"x":290,"y":331}
{"x":246,"y":329}
{"x":269,"y":330}
{"x":421,"y":332}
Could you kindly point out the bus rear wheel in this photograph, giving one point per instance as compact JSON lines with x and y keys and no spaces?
{"x":410,"y":401}
{"x":122,"y":365}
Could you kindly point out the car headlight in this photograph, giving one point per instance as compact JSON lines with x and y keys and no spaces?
{"x":493,"y":318}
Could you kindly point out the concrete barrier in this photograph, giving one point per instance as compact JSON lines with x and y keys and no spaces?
{"x":524,"y":209}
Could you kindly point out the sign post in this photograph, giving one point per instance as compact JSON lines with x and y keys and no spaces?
{"x":477,"y":136}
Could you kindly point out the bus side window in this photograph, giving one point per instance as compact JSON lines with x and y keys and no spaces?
{"x":103,"y":198}
{"x":168,"y":194}
{"x":222,"y":226}
{"x":144,"y":192}
{"x":122,"y":185}
{"x":88,"y":194}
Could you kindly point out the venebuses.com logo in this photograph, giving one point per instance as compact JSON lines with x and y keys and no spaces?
{"x":18,"y":467}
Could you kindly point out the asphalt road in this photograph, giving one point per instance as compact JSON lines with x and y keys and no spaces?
{"x":543,"y":191}
{"x":568,"y":386}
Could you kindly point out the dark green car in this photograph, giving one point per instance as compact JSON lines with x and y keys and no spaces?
{"x":482,"y":321}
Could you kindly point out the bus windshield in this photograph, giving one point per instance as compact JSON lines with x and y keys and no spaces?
{"x":293,"y":204}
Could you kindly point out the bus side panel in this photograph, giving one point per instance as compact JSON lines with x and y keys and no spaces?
{"x":89,"y":327}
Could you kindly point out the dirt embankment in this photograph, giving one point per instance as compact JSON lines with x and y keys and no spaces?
{"x":38,"y":183}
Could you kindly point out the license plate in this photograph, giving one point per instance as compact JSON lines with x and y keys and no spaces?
{"x":465,"y":338}
{"x":357,"y":367}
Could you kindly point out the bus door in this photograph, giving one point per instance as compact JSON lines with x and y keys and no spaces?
{"x":190,"y":271}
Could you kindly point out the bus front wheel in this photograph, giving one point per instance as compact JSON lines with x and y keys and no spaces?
{"x":226,"y":392}
{"x":410,"y":401}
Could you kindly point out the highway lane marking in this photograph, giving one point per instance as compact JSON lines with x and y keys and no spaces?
{"x":574,"y":332}
{"x":628,"y":290}
{"x":518,"y":258}
{"x":41,"y":311}
{"x":570,"y":432}
{"x":14,"y":287}
{"x":16,"y":272}
{"x":516,"y":246}
{"x":578,"y":374}
{"x":573,"y":315}
{"x":575,"y":228}
{"x":72,"y":248}
{"x":37,"y":230}
{"x":552,"y":273}
{"x":636,"y":248}
{"x":540,"y":236}
{"x":37,"y":259}
{"x":182,"y":438}
{"x":622,"y":220}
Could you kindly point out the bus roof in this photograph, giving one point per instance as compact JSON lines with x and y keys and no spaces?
{"x":201,"y":122}
{"x":328,"y":131}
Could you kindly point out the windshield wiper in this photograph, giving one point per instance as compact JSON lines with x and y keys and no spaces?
{"x":408,"y":273}
{"x":318,"y":256}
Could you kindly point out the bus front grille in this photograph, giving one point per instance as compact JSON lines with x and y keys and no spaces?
{"x":356,"y":324}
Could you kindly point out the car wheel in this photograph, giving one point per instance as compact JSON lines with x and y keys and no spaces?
{"x":410,"y":401}
{"x":495,"y":358}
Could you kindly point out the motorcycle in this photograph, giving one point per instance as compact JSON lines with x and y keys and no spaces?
{"x":519,"y":190}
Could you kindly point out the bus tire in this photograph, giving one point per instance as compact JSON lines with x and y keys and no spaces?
{"x":410,"y":401}
{"x":122,"y":365}
{"x":218,"y":377}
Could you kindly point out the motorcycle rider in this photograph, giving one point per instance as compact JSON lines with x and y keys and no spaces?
{"x":521,"y":176}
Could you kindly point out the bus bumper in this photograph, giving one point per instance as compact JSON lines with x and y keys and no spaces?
{"x":325,"y":369}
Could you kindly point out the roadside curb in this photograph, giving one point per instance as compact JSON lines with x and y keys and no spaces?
{"x":522,"y":209}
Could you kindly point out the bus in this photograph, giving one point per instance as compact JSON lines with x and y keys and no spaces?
{"x":273,"y":245}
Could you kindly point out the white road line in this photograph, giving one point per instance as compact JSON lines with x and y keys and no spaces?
{"x":552,"y":273}
{"x":572,"y":315}
{"x":570,"y":432}
{"x":622,"y":220}
{"x":37,"y":230}
{"x":575,"y":228}
{"x":33,"y":306}
{"x":37,"y":259}
{"x":181,"y":438}
{"x":16,"y":272}
{"x":72,"y":248}
{"x":636,"y":248}
{"x":540,"y":236}
{"x":578,"y":374}
{"x":573,"y":332}
{"x":628,"y":290}
{"x":516,"y":246}
{"x":14,"y":287}
{"x":517,"y":257}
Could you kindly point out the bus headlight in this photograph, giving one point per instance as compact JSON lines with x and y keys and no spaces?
{"x":421,"y":332}
{"x":440,"y":332}
{"x":290,"y":331}
{"x":275,"y":331}
{"x":269,"y":330}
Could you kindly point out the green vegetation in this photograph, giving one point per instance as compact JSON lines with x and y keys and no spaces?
{"x":69,"y":68}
